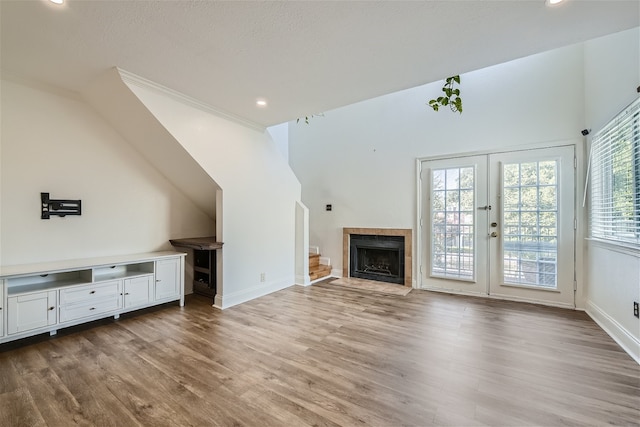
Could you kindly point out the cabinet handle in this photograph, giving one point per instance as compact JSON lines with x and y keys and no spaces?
{"x":158,"y":280}
{"x":92,"y":292}
{"x":51,"y":308}
{"x":92,"y":308}
{"x":126,"y":293}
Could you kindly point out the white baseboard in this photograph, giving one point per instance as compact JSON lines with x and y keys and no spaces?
{"x":615,"y":330}
{"x":303,"y":280}
{"x":330,"y":276}
{"x":336,"y":272}
{"x":235,"y":298}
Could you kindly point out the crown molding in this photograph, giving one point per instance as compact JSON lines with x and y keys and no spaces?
{"x":39,"y":85}
{"x":133,"y":79}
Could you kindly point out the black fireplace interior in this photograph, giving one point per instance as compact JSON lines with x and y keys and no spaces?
{"x":377,"y":258}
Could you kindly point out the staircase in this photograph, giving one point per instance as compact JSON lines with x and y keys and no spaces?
{"x":316,"y":269}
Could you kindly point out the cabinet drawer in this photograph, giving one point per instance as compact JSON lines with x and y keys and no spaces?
{"x":78,"y":311}
{"x":92,"y":292}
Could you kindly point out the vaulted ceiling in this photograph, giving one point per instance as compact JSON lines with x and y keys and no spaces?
{"x":302,"y":57}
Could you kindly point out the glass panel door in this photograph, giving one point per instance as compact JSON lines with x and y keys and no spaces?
{"x":532,"y":233}
{"x":453,"y":227}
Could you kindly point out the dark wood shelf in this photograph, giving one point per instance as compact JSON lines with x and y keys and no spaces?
{"x":201,"y":243}
{"x":204,"y":268}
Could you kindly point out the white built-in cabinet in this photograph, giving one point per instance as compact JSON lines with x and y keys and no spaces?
{"x":43,"y":298}
{"x":2,"y":308}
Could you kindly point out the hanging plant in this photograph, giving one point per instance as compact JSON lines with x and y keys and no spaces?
{"x":307,"y":118}
{"x":451,"y":96}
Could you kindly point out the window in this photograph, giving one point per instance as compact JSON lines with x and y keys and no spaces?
{"x":530,"y":216}
{"x":452,"y":208}
{"x":615,"y":179}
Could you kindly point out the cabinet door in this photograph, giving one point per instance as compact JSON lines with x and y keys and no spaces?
{"x":2,"y":308}
{"x":138,"y":291}
{"x":167,"y":279}
{"x":31,"y":311}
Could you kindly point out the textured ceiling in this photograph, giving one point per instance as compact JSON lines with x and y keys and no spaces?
{"x":303,"y":57}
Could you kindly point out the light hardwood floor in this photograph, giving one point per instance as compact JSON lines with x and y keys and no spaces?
{"x":325,"y":356}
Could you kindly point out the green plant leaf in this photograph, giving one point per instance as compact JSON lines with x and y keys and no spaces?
{"x":458,"y":104}
{"x":451,"y":98}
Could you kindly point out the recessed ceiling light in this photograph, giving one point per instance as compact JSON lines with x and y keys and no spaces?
{"x":261,"y":103}
{"x":553,"y":2}
{"x":57,"y":1}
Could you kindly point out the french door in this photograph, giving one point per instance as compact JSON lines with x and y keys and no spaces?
{"x":501,"y":225}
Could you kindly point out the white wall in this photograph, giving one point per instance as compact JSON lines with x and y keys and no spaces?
{"x":302,"y":245}
{"x":256,"y":217}
{"x":54,"y":142}
{"x":361,"y":158}
{"x":612,"y":74}
{"x":280,"y":135}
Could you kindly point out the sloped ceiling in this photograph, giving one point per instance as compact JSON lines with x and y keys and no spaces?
{"x":303,"y":57}
{"x":116,"y":102}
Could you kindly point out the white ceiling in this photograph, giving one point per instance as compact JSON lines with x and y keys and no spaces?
{"x":303,"y":57}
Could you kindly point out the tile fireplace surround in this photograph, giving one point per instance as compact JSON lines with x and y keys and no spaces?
{"x":406,"y":232}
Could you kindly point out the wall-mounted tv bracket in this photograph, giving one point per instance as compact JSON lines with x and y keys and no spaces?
{"x":59,"y":207}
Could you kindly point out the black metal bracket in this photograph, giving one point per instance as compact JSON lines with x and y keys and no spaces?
{"x":59,"y":207}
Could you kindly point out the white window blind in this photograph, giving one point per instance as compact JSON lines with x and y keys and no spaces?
{"x":615,"y":179}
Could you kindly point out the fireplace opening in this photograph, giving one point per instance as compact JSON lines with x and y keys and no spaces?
{"x":377,"y":257}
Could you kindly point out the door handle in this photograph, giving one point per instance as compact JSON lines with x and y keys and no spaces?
{"x":485,"y":208}
{"x":494,"y":234}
